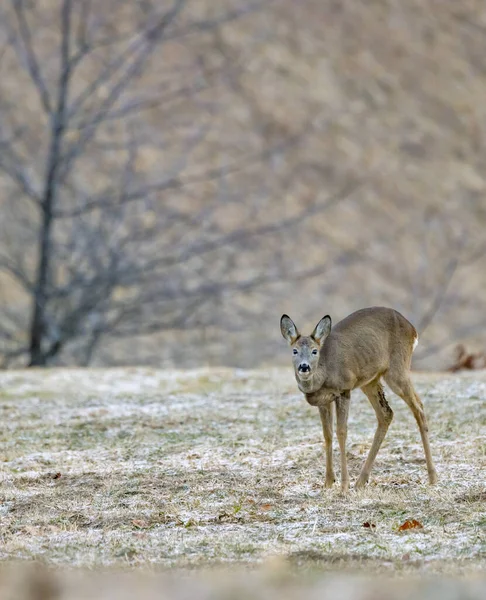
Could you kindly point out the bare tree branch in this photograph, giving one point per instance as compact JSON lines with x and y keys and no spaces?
{"x":134,"y":54}
{"x":9,"y":266}
{"x":26,"y":47}
{"x":174,"y":182}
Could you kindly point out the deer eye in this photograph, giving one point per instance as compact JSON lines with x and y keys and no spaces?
{"x":314,"y":352}
{"x":294,"y":351}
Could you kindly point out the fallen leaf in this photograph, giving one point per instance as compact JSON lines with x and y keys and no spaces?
{"x":369,"y":525}
{"x":139,"y":523}
{"x":266,"y":506}
{"x":410,"y":524}
{"x":406,"y":557}
{"x":56,"y":476}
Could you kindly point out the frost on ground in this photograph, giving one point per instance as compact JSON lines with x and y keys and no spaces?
{"x":215,"y":467}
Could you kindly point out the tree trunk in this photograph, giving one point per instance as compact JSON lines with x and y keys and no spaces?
{"x":37,"y":328}
{"x":58,"y":124}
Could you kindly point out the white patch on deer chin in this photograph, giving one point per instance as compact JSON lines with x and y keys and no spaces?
{"x":305,"y":376}
{"x":415,"y":342}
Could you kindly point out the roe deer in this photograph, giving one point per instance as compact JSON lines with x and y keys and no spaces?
{"x":367,"y":345}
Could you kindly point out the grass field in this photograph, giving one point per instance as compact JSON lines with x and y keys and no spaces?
{"x":137,"y":467}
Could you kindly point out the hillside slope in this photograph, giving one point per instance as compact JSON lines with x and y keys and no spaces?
{"x":383,"y":95}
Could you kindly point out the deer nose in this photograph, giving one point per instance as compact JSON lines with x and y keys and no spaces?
{"x":304,"y":367}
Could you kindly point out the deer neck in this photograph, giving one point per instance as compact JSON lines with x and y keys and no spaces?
{"x":314,"y":383}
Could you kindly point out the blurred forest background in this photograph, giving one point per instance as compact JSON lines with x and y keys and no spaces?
{"x":176,"y":174}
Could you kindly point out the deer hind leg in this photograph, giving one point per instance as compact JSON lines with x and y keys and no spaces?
{"x":342,"y":412}
{"x":326,"y":419}
{"x":402,"y":386}
{"x":384,"y":415}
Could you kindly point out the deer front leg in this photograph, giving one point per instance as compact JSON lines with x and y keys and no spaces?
{"x":342,"y":412}
{"x":326,"y":419}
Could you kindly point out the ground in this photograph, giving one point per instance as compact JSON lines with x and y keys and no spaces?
{"x":192,"y":469}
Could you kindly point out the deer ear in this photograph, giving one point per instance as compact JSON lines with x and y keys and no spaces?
{"x":288,"y":329}
{"x":322,"y":330}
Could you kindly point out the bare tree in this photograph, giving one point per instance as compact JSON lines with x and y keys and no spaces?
{"x":105,"y":133}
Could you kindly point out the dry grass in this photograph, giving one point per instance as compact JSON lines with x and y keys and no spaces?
{"x":137,"y":467}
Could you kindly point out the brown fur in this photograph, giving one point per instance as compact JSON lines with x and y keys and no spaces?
{"x":368,"y":345}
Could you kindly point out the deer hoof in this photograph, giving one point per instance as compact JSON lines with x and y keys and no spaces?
{"x":330,"y":481}
{"x":361,"y":482}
